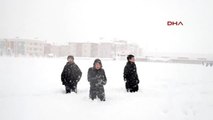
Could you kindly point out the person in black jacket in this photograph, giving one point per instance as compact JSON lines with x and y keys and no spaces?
{"x":130,"y":75}
{"x":97,"y":79}
{"x":71,"y":75}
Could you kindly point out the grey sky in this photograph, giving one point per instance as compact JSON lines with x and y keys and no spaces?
{"x":140,"y":21}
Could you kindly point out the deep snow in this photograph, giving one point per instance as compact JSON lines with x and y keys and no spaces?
{"x":30,"y":89}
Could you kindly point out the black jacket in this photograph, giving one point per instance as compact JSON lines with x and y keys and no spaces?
{"x":70,"y":74}
{"x":130,"y":73}
{"x":96,"y":77}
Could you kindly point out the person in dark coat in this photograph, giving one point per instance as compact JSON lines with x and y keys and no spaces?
{"x":97,"y":79}
{"x":130,"y":75}
{"x":71,"y":75}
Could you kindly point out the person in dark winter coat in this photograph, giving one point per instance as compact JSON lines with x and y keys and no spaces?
{"x":130,"y":75}
{"x":97,"y":79}
{"x":71,"y":75}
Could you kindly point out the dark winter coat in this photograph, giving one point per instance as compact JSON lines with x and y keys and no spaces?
{"x":96,"y":77}
{"x":71,"y":74}
{"x":130,"y":74}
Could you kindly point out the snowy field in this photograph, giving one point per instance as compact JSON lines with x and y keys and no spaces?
{"x":30,"y":89}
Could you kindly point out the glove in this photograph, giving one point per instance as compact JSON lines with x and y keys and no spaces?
{"x":99,"y":82}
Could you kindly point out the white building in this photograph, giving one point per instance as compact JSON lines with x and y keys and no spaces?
{"x":20,"y":47}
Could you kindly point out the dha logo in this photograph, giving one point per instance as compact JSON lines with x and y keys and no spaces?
{"x":174,"y":23}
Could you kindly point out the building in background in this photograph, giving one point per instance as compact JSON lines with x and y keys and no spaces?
{"x":21,"y":47}
{"x":86,"y":50}
{"x":48,"y":50}
{"x":32,"y":47}
{"x":106,"y":50}
{"x":122,"y":49}
{"x":27,"y":47}
{"x":117,"y":49}
{"x":94,"y":50}
{"x":3,"y":47}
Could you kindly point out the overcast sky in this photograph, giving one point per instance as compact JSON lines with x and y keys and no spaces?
{"x":139,"y":21}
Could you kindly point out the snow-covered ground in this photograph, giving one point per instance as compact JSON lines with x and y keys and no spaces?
{"x":30,"y":89}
